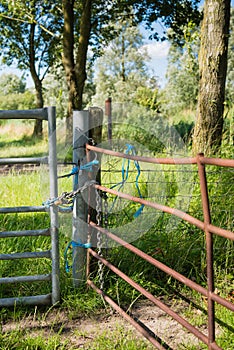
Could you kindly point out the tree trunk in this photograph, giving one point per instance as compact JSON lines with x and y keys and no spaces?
{"x":212,"y":68}
{"x":75,"y":73}
{"x":81,"y":57}
{"x":68,"y":62}
{"x":38,"y":130}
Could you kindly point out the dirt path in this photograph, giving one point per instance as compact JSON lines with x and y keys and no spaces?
{"x":83,"y":331}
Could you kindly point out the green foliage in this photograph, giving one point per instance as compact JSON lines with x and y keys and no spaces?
{"x":185,"y":129}
{"x":18,"y":19}
{"x":11,"y":84}
{"x":55,"y":90}
{"x":121,"y":71}
{"x":147,"y":98}
{"x":13,"y":94}
{"x":17,"y":101}
{"x":182,"y":73}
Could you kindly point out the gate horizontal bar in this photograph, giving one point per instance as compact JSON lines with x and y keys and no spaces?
{"x":179,"y":213}
{"x":152,"y":298}
{"x":23,"y":209}
{"x":218,"y":161}
{"x":134,"y":323}
{"x":30,"y":300}
{"x":40,"y":113}
{"x":165,"y":268}
{"x":5,"y":234}
{"x":20,"y":279}
{"x":175,"y":161}
{"x":28,"y":160}
{"x":26,"y":255}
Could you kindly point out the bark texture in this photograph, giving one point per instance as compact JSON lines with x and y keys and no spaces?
{"x":212,"y":68}
{"x":75,"y":68}
{"x":37,"y":132}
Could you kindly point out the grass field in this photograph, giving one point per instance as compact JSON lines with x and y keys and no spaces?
{"x":182,"y":249}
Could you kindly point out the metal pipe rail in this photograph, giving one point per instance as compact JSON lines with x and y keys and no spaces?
{"x":48,"y":114}
{"x":40,"y":113}
{"x":20,"y":279}
{"x":172,"y":161}
{"x":152,"y":298}
{"x":28,"y":160}
{"x":23,"y":209}
{"x":179,"y":213}
{"x":26,"y":233}
{"x":31,"y":300}
{"x":206,"y":226}
{"x":189,"y":283}
{"x":26,"y":255}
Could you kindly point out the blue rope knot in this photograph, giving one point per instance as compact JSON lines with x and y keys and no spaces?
{"x":71,"y":245}
{"x":75,"y":170}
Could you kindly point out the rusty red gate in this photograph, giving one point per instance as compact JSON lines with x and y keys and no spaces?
{"x":206,"y":225}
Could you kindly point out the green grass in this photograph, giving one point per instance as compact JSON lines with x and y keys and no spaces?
{"x":182,"y":249}
{"x":20,"y":340}
{"x":119,"y":339}
{"x":16,"y":140}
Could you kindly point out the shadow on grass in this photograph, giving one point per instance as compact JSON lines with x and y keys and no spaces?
{"x":24,"y":141}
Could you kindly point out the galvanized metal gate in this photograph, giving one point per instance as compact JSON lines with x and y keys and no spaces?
{"x":49,"y":115}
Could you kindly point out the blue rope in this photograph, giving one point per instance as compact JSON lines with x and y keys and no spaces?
{"x":87,"y":167}
{"x":125,"y":172}
{"x":71,"y":245}
{"x":75,"y":170}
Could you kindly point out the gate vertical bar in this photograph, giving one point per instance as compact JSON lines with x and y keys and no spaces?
{"x":80,"y":209}
{"x":209,"y":249}
{"x":53,"y":209}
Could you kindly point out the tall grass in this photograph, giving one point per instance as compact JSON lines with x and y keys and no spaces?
{"x":182,"y":248}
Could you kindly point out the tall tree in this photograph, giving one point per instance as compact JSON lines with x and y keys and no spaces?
{"x":212,"y":68}
{"x":90,"y":23}
{"x":230,"y":71}
{"x":93,"y":21}
{"x":29,"y":34}
{"x":122,"y":70}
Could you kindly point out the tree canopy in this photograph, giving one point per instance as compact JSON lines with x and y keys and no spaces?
{"x":13,"y":94}
{"x":11,"y":83}
{"x":84,"y":24}
{"x":122,"y":69}
{"x":29,"y":38}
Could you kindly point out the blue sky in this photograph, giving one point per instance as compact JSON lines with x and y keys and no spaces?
{"x":157,"y":51}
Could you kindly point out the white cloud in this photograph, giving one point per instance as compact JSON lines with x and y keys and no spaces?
{"x":157,"y":50}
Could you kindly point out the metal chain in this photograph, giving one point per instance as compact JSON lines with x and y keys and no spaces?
{"x":105,"y":197}
{"x":99,"y":238}
{"x":66,"y":198}
{"x":106,"y":215}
